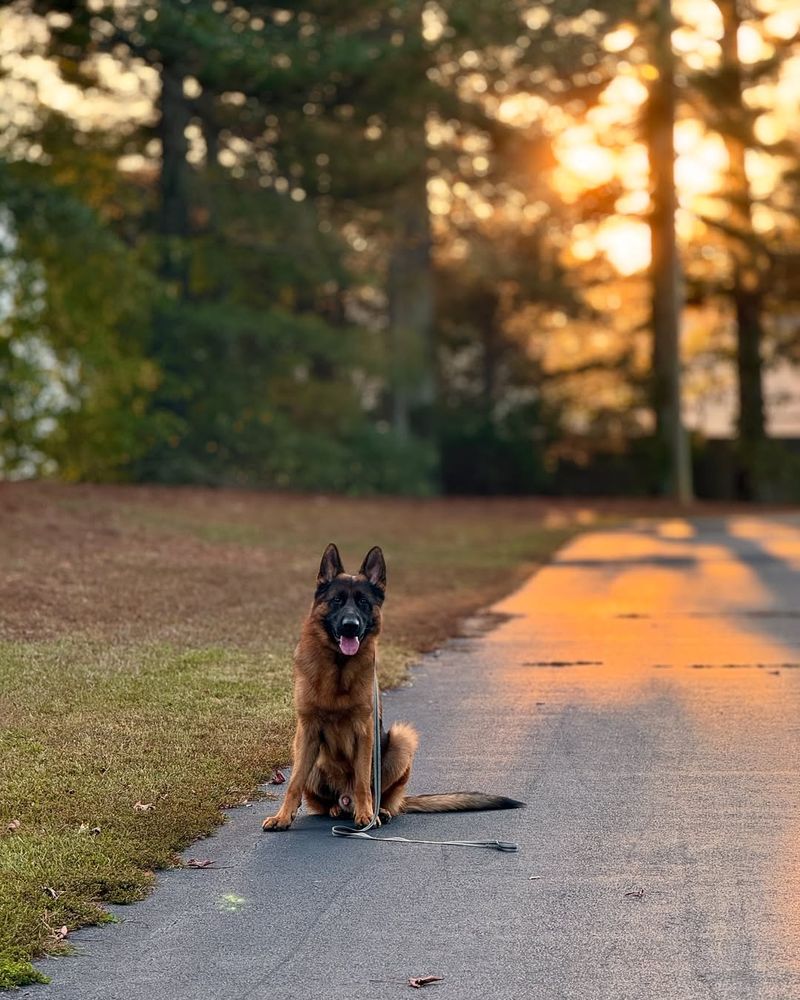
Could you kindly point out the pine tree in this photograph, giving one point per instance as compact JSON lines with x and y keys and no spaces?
{"x":756,"y":259}
{"x":665,"y":276}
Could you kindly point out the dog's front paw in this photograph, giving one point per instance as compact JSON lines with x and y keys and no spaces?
{"x":363,"y":817}
{"x":277,"y":822}
{"x":384,"y":816}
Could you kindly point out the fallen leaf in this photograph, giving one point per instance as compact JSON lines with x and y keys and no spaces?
{"x":199,"y":863}
{"x":95,"y":830}
{"x":277,"y":778}
{"x":13,"y":826}
{"x":58,"y":933}
{"x":51,"y":892}
{"x":419,"y":981}
{"x":532,"y":878}
{"x":635,"y":893}
{"x":144,"y":807}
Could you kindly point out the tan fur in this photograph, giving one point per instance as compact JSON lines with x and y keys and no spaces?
{"x":334,"y":736}
{"x":333,"y":741}
{"x":456,"y":802}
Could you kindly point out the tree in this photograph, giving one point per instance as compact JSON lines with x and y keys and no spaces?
{"x":78,"y":381}
{"x":753,"y":230}
{"x":750,"y":262}
{"x":667,"y":301}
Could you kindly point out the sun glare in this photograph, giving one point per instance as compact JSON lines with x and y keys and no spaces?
{"x":621,"y":39}
{"x":596,"y":150}
{"x":753,"y":47}
{"x":580,"y":154}
{"x":783,"y":24}
{"x":626,"y":243}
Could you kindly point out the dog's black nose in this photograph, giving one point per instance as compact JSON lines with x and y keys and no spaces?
{"x":349,"y":626}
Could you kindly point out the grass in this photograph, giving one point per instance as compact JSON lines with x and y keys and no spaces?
{"x":145,"y":657}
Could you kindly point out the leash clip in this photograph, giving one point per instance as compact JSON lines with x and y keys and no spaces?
{"x":506,"y":845}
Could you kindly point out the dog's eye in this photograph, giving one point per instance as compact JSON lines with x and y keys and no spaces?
{"x":336,"y":601}
{"x":362,"y":602}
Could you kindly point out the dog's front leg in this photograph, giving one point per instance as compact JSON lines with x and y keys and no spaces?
{"x":306,"y":751}
{"x":362,"y":793}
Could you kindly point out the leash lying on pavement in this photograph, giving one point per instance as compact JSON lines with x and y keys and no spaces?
{"x":362,"y":834}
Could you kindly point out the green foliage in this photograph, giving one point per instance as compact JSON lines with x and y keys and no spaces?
{"x":491,"y":455}
{"x":71,"y":336}
{"x":14,"y":974}
{"x":271,"y":398}
{"x":774,"y":468}
{"x":195,"y":318}
{"x":205,"y":333}
{"x":365,"y":459}
{"x":249,"y":298}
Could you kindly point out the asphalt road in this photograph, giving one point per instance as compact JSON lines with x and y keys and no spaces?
{"x":645,"y":701}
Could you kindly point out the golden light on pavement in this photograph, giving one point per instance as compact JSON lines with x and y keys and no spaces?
{"x":677,"y":528}
{"x":661,"y":605}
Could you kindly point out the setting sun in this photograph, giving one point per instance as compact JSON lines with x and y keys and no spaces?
{"x":597,"y":150}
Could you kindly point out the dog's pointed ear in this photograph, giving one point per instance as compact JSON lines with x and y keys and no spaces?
{"x":374,"y":568}
{"x":331,"y":565}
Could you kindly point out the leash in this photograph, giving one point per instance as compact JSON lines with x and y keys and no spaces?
{"x":362,"y":833}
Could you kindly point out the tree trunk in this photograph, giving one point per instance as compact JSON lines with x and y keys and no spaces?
{"x":665,"y":266}
{"x":411,"y":307}
{"x":173,"y":208}
{"x":410,"y":280}
{"x":749,"y":263}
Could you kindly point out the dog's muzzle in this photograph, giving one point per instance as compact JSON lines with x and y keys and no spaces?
{"x":350,"y":635}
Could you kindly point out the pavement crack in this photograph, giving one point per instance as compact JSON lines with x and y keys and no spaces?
{"x":562,"y":663}
{"x":298,"y":944}
{"x":744,"y":666}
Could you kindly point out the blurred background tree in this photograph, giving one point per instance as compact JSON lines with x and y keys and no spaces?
{"x":397,"y":246}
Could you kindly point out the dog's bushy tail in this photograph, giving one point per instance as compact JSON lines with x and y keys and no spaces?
{"x":404,"y":739}
{"x":458,"y":802}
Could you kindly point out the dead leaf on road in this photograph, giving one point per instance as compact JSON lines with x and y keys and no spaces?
{"x":419,"y":981}
{"x":635,"y":893}
{"x":277,"y":778}
{"x":199,"y":863}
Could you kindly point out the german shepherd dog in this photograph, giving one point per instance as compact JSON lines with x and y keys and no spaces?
{"x":333,"y":695}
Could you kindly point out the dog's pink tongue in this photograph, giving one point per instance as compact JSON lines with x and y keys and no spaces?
{"x":349,"y":644}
